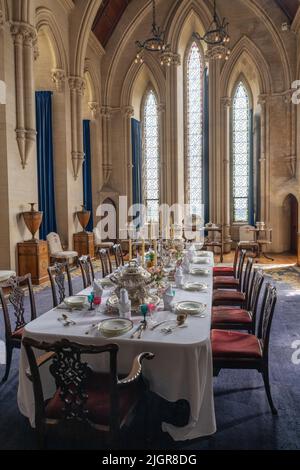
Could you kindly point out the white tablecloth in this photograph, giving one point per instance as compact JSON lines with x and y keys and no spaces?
{"x":182,"y":368}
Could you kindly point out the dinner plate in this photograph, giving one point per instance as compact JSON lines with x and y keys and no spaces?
{"x":191,"y":308}
{"x":199,"y":272}
{"x":195,"y":286}
{"x":115,"y":327}
{"x":77,"y":301}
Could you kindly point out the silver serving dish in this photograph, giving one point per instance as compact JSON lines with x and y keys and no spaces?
{"x":137,"y":281}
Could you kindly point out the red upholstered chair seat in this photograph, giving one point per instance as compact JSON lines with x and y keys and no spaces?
{"x":232,"y":344}
{"x":98,"y":401}
{"x":226,"y":282}
{"x":227,"y":297}
{"x":230,"y":315}
{"x":223,"y":271}
{"x":18,"y":334}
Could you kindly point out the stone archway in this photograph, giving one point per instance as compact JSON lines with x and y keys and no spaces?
{"x":291,"y":210}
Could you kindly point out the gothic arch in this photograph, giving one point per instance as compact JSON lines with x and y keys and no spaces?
{"x":46,"y":20}
{"x":82,"y":19}
{"x":181,"y":14}
{"x":247,"y":48}
{"x":255,"y":6}
{"x":155,"y":76}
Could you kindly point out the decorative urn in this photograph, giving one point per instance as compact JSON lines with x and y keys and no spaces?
{"x":33,"y":220}
{"x":83,"y":217}
{"x":137,"y":281}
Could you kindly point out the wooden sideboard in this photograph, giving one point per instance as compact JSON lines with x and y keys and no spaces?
{"x":84,"y":244}
{"x":33,"y":258}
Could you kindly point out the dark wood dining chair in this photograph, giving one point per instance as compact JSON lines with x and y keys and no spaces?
{"x":235,"y":318}
{"x":229,"y":270}
{"x":235,"y":281}
{"x":84,"y":398}
{"x":105,"y":262}
{"x":236,"y":350}
{"x":118,"y":252}
{"x":87,"y":270}
{"x":235,"y":297}
{"x":59,"y":273}
{"x":14,"y":306}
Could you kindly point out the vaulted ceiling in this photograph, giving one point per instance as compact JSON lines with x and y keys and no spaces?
{"x":111,"y":11}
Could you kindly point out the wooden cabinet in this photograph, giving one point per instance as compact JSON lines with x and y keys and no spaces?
{"x":84,"y":244}
{"x":33,"y":258}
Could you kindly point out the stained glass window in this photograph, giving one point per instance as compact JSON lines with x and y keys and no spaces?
{"x":240,"y":154}
{"x":151,"y":189}
{"x":194,"y":128}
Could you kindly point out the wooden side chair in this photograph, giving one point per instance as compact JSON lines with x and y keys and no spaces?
{"x":119,"y":258}
{"x":57,"y":275}
{"x":232,"y":282}
{"x":235,"y":297}
{"x":105,"y":262}
{"x":84,"y":398}
{"x":234,"y":318}
{"x":236,"y":350}
{"x":16,"y":299}
{"x":56,"y":251}
{"x":87,"y":270}
{"x":229,"y":270}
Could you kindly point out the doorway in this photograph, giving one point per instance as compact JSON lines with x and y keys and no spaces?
{"x":291,"y":204}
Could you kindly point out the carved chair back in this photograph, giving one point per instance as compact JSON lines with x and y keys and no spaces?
{"x":57,"y":274}
{"x":71,"y":374}
{"x":117,"y":249}
{"x":87,"y":270}
{"x":246,"y":276}
{"x":254,"y":292}
{"x":266,"y":317}
{"x":240,"y":266}
{"x":16,"y":302}
{"x":105,"y":262}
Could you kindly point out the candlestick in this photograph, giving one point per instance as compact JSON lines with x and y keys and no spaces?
{"x":143,"y":252}
{"x":155,"y":252}
{"x":130,"y":249}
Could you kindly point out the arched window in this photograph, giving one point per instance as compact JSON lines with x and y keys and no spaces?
{"x":241,"y":184}
{"x":194,"y":69}
{"x":151,"y":156}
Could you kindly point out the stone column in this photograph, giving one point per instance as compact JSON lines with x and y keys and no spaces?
{"x":170,"y":146}
{"x":215,"y":165}
{"x":29,"y":95}
{"x":164,"y":180}
{"x":262,"y":101}
{"x":77,"y":87}
{"x":106,"y":114}
{"x":225,"y":155}
{"x":127,"y":113}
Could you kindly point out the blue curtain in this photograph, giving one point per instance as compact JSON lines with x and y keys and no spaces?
{"x":87,"y":173}
{"x":205,"y":184}
{"x":43,"y":100}
{"x":136,"y":138}
{"x":251,"y":174}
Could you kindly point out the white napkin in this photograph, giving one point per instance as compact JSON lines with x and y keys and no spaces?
{"x":97,"y":288}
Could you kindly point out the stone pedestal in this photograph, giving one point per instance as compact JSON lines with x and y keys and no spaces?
{"x":33,"y":258}
{"x":84,"y":244}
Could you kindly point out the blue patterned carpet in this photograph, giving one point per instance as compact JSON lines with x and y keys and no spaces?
{"x":243,"y":417}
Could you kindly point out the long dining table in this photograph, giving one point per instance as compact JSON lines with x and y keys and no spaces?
{"x":181,"y":370}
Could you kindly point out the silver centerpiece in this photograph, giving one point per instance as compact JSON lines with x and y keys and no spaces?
{"x":137,"y":281}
